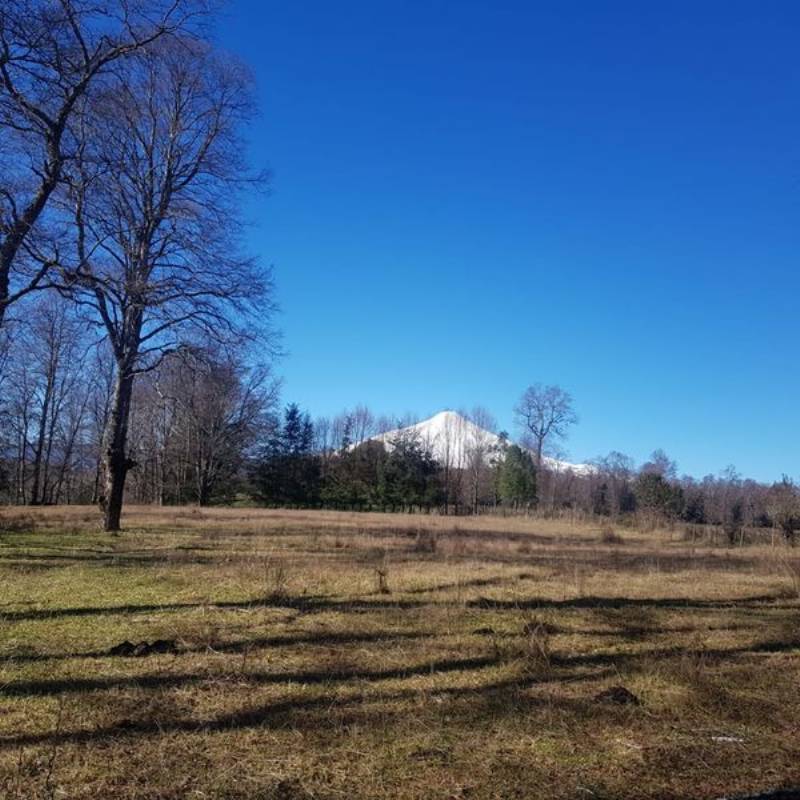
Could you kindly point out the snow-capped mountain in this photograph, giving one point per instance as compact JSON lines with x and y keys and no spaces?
{"x":452,"y":439}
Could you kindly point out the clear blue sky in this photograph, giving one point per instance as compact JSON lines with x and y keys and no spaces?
{"x":471,"y":197}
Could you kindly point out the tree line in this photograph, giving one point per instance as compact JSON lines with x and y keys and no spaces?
{"x":328,"y":470}
{"x":195,"y":418}
{"x":206,"y":428}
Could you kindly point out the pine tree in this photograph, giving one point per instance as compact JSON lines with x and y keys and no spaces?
{"x":517,"y":478}
{"x":288,"y":472}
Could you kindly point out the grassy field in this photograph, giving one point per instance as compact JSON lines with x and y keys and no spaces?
{"x":324,"y":655}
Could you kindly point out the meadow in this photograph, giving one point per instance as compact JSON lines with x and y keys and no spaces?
{"x":305,"y":654}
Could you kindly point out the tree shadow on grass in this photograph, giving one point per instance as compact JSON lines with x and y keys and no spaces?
{"x":566,"y":663}
{"x":302,"y":712}
{"x":597,"y":602}
{"x":317,"y":603}
{"x":179,"y":679}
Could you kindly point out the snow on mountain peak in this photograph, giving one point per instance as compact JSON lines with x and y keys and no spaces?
{"x":454,"y":440}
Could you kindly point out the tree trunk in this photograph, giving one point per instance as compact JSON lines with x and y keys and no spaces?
{"x":117,"y":462}
{"x":37,"y":489}
{"x":5,"y":269}
{"x":39,"y":449}
{"x":203,"y":493}
{"x":56,"y":407}
{"x":65,"y":468}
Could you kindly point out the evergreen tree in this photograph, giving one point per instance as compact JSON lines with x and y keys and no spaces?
{"x":266,"y":475}
{"x":517,"y":478}
{"x":353,"y":479}
{"x":292,"y":435}
{"x":288,"y":472}
{"x":694,"y":506}
{"x":600,"y":501}
{"x":656,"y":495}
{"x":372,"y":476}
{"x":411,"y":476}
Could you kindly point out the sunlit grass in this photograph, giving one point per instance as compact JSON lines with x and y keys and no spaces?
{"x":474,"y":676}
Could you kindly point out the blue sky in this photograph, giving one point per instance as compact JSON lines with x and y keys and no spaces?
{"x":472,"y":197}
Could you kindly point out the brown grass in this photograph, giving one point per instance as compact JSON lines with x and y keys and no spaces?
{"x":326,"y":655}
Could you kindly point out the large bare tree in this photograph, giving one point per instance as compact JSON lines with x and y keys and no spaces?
{"x":155,"y":196}
{"x":545,"y":413}
{"x":52,"y":53}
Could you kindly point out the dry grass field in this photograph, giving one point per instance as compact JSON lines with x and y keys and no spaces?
{"x":324,"y":655}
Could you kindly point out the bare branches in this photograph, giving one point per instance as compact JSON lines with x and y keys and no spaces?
{"x":545,"y":413}
{"x":164,"y":216}
{"x":51,"y":56}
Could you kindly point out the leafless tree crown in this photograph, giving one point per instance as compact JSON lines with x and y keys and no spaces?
{"x":53,"y":55}
{"x":546,"y":414}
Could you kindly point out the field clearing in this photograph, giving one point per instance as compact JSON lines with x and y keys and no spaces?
{"x":334,"y":655}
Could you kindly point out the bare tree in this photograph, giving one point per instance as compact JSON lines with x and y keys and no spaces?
{"x":661,"y":464}
{"x":363,"y":423}
{"x":154,"y":439}
{"x":546,"y":414}
{"x":45,"y":398}
{"x":52,"y":52}
{"x":406,"y":419}
{"x":224,"y":407}
{"x":19,"y":421}
{"x":783,"y":507}
{"x":450,"y":446}
{"x":103,"y":382}
{"x":323,"y":436}
{"x":385,"y":423}
{"x":57,"y":354}
{"x":194,"y":423}
{"x":342,"y":431}
{"x":5,"y":359}
{"x":611,"y":478}
{"x":479,"y":454}
{"x":154,"y":194}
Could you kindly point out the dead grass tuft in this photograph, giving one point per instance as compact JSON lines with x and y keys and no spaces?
{"x":536,"y":648}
